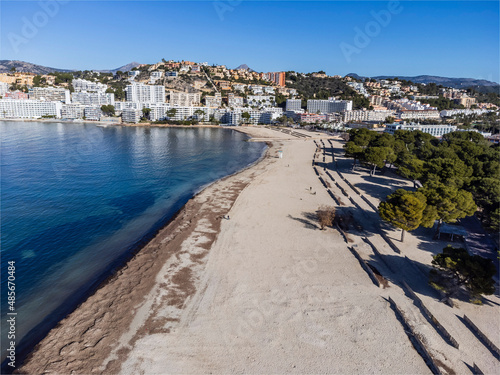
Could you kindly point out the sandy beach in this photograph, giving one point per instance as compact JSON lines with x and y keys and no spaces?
{"x":264,"y":290}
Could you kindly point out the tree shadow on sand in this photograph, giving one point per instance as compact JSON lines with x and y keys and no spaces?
{"x":397,"y":269}
{"x":309,"y":220}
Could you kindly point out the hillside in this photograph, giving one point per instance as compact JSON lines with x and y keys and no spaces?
{"x":22,"y":66}
{"x":458,"y":83}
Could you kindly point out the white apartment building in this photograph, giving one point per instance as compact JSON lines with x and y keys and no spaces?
{"x":155,"y":76}
{"x":14,"y":108}
{"x":293,"y":104}
{"x":256,"y":89}
{"x":412,"y":105}
{"x":184,"y":99}
{"x":239,"y":87}
{"x":133,"y":73}
{"x":120,"y":106}
{"x":328,"y":106}
{"x":435,"y":130}
{"x":132,"y":116}
{"x":50,"y":94}
{"x":269,"y":90}
{"x":261,"y":101}
{"x":362,"y":115}
{"x":234,"y":101}
{"x":418,"y":114}
{"x":4,"y":88}
{"x":188,"y":113}
{"x":213,"y":101}
{"x":92,"y":113}
{"x":159,"y":111}
{"x":265,"y":116}
{"x":93,"y":98}
{"x":72,"y":111}
{"x":83,"y":85}
{"x":467,"y":112}
{"x":139,"y":92}
{"x":359,"y":87}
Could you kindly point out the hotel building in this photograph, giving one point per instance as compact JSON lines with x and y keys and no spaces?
{"x":139,"y":92}
{"x":12,"y":108}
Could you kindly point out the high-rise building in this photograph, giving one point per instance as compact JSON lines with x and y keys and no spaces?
{"x":13,"y":108}
{"x":93,"y":98}
{"x":213,"y":101}
{"x":184,"y":99}
{"x":293,"y":104}
{"x":328,"y":106}
{"x":139,"y":92}
{"x":56,"y":94}
{"x":276,"y":77}
{"x":131,"y":115}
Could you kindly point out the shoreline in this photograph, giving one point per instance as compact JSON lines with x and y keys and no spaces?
{"x":267,"y":291}
{"x":112,"y":287}
{"x":97,"y":123}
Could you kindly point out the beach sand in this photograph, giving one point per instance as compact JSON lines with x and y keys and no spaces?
{"x":267,"y":291}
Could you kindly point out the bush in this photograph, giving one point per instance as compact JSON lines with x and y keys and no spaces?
{"x":459,"y":268}
{"x":326,"y":215}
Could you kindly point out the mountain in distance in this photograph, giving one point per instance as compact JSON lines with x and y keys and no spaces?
{"x":458,"y":83}
{"x":124,"y":68}
{"x":244,"y":66}
{"x":22,"y":66}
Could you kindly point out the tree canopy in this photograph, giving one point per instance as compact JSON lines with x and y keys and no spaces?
{"x":457,"y":172}
{"x":404,"y":209}
{"x":460,"y":268}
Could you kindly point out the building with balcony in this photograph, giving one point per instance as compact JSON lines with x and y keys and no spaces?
{"x":72,"y":111}
{"x":50,"y":94}
{"x":34,"y":109}
{"x":213,"y":101}
{"x":138,"y":92}
{"x":184,"y":99}
{"x":435,"y":130}
{"x":93,"y":98}
{"x":132,"y":116}
{"x":92,"y":113}
{"x":81,"y":85}
{"x":293,"y":104}
{"x":328,"y":106}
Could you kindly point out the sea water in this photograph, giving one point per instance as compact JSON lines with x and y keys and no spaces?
{"x":77,"y":199}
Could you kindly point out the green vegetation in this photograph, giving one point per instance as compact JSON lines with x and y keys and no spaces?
{"x":246,"y":117}
{"x":404,"y":209}
{"x":172,"y":122}
{"x":459,"y":268}
{"x":310,"y":87}
{"x":62,"y":77}
{"x":38,"y":81}
{"x":442,"y":103}
{"x":145,"y":113}
{"x":108,"y":110}
{"x":171,"y":112}
{"x":431,"y":89}
{"x":457,"y":173}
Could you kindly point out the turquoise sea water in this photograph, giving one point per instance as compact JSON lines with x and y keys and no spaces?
{"x":76,"y":199}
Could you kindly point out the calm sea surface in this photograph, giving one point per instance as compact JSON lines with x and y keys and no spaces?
{"x":77,"y":199}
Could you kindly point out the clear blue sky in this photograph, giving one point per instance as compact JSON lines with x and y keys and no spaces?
{"x":446,"y":38}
